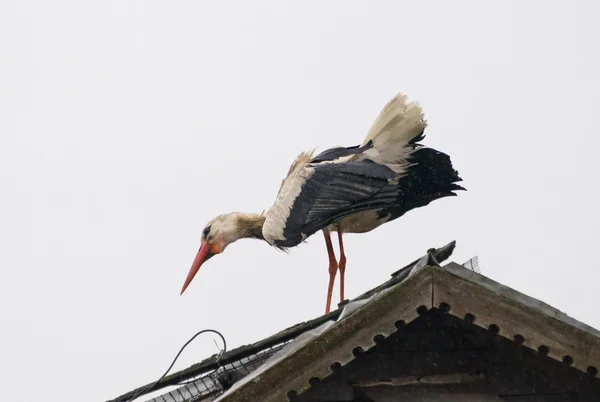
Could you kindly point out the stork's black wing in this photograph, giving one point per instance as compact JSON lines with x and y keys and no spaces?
{"x":336,"y":190}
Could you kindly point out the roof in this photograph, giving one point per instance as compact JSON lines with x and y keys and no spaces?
{"x":288,"y":362}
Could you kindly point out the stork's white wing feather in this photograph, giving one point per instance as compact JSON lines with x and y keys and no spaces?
{"x":290,"y":188}
{"x":398,"y":123}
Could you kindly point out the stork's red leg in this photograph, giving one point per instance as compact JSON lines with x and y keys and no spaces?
{"x":333,"y":267}
{"x":342,"y":264}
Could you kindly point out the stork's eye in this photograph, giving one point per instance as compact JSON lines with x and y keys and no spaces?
{"x":206,"y":231}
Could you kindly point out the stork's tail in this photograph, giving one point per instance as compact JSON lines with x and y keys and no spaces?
{"x":429,"y":177}
{"x":400,"y":124}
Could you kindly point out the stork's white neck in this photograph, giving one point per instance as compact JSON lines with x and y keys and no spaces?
{"x":250,"y":225}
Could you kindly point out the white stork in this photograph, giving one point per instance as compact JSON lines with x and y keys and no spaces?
{"x":346,"y":190}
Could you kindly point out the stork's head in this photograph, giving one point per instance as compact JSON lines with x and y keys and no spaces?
{"x":218,"y":234}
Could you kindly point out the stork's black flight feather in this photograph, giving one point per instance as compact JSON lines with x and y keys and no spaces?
{"x":431,"y":177}
{"x":336,"y":190}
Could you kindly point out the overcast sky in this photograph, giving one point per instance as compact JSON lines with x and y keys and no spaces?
{"x":125,"y":126}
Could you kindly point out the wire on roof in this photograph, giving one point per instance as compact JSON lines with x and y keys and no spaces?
{"x":149,"y":388}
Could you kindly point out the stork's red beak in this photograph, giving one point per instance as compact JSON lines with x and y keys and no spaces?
{"x":205,"y":252}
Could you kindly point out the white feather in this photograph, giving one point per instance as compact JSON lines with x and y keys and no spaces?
{"x":279,"y":213}
{"x":396,"y":125}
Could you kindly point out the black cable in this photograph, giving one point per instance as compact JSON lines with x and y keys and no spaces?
{"x":148,"y":388}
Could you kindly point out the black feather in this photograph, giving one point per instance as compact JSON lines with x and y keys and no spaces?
{"x":338,"y":152}
{"x":430,"y":178}
{"x":418,"y":138}
{"x":336,"y":190}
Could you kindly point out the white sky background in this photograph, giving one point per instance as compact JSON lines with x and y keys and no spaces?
{"x":126,"y":126}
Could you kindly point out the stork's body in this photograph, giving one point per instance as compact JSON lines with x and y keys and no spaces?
{"x":345,"y":190}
